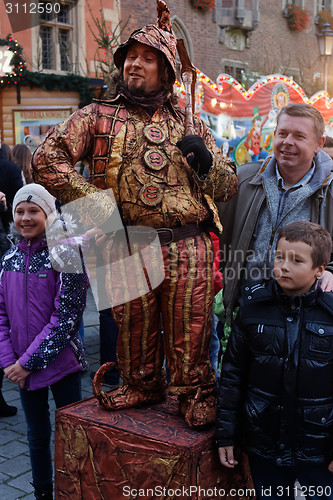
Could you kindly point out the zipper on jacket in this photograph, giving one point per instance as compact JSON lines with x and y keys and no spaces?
{"x":26,"y":290}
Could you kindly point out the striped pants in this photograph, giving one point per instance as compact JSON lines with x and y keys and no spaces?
{"x":171,"y":322}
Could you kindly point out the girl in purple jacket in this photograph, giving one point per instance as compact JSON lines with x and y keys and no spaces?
{"x":40,"y":315}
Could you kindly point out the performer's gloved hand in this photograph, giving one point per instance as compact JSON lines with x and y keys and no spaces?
{"x":201,"y":159}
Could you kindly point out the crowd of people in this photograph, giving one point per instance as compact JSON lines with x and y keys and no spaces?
{"x":274,"y":395}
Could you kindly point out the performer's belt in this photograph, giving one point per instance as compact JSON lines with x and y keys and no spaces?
{"x":168,"y":235}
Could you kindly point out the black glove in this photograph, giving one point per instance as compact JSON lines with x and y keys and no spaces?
{"x":200,"y":159}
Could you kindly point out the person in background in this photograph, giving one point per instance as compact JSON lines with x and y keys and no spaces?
{"x":108,"y":330}
{"x":5,"y":409}
{"x":275,"y":398}
{"x":46,"y":350}
{"x":4,"y":242}
{"x":215,"y":344}
{"x":328,"y":146}
{"x":8,"y":150}
{"x":293,"y":184}
{"x":22,"y":157}
{"x":10,"y":181}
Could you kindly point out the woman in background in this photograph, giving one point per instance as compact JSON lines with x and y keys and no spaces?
{"x":22,"y":158}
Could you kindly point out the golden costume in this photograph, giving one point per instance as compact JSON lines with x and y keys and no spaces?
{"x":136,"y":155}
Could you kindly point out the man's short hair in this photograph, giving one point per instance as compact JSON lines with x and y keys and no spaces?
{"x":312,"y":234}
{"x":305,"y":110}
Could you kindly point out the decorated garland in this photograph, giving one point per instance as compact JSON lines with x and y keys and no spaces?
{"x":203,"y":5}
{"x":22,"y":77}
{"x":61,"y":82}
{"x":16,"y":61}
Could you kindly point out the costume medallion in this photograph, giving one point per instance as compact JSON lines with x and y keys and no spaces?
{"x":151,"y":194}
{"x":155,"y":159}
{"x":154,"y":133}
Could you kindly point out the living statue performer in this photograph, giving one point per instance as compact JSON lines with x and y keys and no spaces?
{"x":137,"y":146}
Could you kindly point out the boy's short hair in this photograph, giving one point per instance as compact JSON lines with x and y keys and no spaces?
{"x":314,"y":235}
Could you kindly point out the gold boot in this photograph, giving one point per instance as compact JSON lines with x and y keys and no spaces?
{"x":126,"y":396}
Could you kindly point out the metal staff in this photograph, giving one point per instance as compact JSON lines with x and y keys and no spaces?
{"x":189,"y":77}
{"x":187,"y":70}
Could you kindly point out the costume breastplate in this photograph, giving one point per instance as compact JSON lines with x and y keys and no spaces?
{"x":138,"y":158}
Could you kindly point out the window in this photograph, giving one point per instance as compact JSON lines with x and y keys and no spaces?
{"x":65,"y":50}
{"x":45,"y":34}
{"x":323,"y":5}
{"x":234,"y":70}
{"x":297,"y":2}
{"x":56,"y":37}
{"x":181,"y":31}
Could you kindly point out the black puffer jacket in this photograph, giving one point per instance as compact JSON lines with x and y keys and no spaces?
{"x":276,"y":389}
{"x":4,"y":241}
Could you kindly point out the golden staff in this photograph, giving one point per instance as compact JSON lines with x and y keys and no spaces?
{"x":187,"y":70}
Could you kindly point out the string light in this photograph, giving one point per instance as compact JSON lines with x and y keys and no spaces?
{"x":17,"y":61}
{"x":224,"y":79}
{"x":202,"y":79}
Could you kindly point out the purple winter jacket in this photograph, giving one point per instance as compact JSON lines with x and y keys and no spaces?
{"x":40,"y":313}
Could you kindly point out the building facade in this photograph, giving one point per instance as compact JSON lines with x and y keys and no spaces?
{"x":246,"y":39}
{"x":58,"y":40}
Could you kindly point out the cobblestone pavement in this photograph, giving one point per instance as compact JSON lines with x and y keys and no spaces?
{"x":15,"y":470}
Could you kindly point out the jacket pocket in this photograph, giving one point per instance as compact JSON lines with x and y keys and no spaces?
{"x":319,"y":417}
{"x":263,"y":419}
{"x":265,"y":337}
{"x":315,"y":436}
{"x":320,"y":337}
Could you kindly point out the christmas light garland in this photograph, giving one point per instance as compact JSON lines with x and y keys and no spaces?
{"x":22,"y":76}
{"x":16,"y":61}
{"x":247,"y":94}
{"x":217,"y":88}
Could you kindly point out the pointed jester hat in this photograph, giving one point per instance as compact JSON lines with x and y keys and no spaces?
{"x":160,"y":37}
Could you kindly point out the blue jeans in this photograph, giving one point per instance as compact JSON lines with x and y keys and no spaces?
{"x":108,"y":329}
{"x":273,"y":482}
{"x":36,"y":410}
{"x":214,"y":347}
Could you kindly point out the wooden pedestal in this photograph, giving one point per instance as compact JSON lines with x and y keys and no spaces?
{"x":147,"y":453}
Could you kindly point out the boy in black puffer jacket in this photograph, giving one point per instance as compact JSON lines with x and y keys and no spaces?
{"x":275,"y":396}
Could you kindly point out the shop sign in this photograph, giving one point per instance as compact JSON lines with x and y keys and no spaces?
{"x":6,"y":56}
